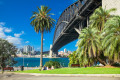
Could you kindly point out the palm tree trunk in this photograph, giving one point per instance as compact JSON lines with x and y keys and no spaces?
{"x":101,"y":61}
{"x":41,"y":51}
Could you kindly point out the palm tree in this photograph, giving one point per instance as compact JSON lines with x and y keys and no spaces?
{"x":99,"y":17}
{"x":89,"y":45}
{"x":41,"y":21}
{"x":111,"y":42}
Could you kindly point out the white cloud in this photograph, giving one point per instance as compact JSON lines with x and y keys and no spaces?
{"x":2,"y":34}
{"x":27,"y":42}
{"x":43,"y":39}
{"x":3,"y":30}
{"x":38,"y":48}
{"x":8,"y":30}
{"x":18,"y":35}
{"x":2,"y":24}
{"x":14,"y":40}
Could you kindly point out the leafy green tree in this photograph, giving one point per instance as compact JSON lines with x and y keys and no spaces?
{"x":101,"y":39}
{"x":41,"y":21}
{"x":73,"y":58}
{"x":99,"y":17}
{"x":111,"y":41}
{"x":89,"y":45}
{"x":98,"y":20}
{"x":7,"y":53}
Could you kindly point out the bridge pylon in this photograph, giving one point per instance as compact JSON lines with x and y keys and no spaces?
{"x":52,"y":53}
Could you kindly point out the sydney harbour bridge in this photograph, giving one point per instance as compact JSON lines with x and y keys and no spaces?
{"x":72,"y":20}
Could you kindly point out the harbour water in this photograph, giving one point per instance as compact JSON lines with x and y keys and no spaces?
{"x":35,"y":62}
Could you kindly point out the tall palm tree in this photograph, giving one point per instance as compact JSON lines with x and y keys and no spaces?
{"x":99,"y":17}
{"x":111,"y":41}
{"x":41,"y":21}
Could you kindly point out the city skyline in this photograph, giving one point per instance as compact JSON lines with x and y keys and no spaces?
{"x":15,"y":25}
{"x":24,"y":47}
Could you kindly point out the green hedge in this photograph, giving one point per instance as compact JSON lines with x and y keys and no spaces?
{"x":52,"y":63}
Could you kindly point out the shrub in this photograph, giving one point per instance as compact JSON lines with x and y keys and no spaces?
{"x":73,"y":59}
{"x":116,"y":64}
{"x":52,"y":63}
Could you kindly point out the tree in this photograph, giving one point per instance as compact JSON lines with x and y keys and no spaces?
{"x":73,"y":58}
{"x":89,"y":45}
{"x":7,"y":53}
{"x":41,"y":21}
{"x":102,"y":39}
{"x":99,"y":17}
{"x":98,"y":20}
{"x":111,"y":41}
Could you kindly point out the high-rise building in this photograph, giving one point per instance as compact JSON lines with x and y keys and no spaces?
{"x":28,"y":49}
{"x":65,"y":50}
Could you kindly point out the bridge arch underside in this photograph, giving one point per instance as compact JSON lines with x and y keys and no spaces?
{"x":66,"y":37}
{"x":65,"y":32}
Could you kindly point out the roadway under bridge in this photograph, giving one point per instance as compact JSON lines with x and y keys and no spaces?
{"x":76,"y":16}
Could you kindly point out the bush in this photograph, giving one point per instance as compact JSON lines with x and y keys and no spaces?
{"x":116,"y":64}
{"x":52,"y":63}
{"x":73,"y":59}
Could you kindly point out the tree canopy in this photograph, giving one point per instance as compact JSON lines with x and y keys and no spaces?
{"x":101,"y":40}
{"x":7,"y":53}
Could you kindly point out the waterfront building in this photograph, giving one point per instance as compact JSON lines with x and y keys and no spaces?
{"x":19,"y":52}
{"x":28,"y":49}
{"x":64,"y":53}
{"x":65,"y":50}
{"x":69,"y":52}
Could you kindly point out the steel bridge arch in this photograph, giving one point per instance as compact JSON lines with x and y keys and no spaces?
{"x":74,"y":16}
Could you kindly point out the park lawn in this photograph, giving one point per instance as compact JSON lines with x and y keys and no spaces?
{"x":88,"y":70}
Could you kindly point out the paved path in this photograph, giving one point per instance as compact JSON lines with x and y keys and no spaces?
{"x":25,"y":68}
{"x":12,"y":76}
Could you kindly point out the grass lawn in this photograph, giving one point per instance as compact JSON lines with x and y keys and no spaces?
{"x":88,"y":70}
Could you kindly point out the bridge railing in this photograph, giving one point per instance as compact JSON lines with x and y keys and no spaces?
{"x":67,"y":15}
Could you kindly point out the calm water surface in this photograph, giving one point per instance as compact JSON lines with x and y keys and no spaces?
{"x":35,"y":62}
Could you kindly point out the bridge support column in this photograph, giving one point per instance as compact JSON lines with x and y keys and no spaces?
{"x":52,"y":53}
{"x":55,"y":53}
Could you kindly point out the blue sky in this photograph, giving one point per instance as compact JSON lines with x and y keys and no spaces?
{"x":15,"y":22}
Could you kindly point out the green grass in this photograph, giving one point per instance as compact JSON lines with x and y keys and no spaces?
{"x":89,"y":70}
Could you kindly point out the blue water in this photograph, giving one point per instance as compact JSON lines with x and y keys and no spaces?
{"x":35,"y":62}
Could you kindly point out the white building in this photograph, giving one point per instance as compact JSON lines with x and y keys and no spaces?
{"x":28,"y":49}
{"x":19,"y":52}
{"x":108,"y":4}
{"x":65,"y":50}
